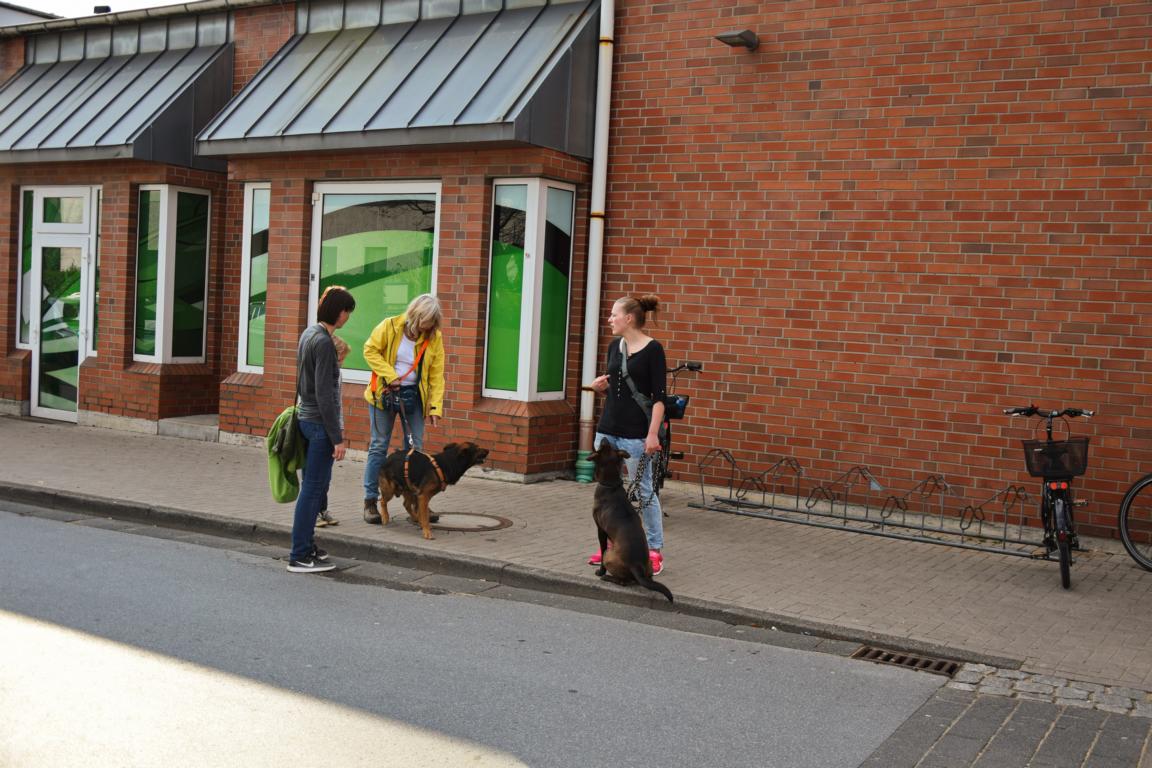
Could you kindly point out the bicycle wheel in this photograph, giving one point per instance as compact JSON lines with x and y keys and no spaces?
{"x":1063,"y":542}
{"x":660,"y":471}
{"x":1136,"y":522}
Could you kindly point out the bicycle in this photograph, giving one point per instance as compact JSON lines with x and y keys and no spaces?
{"x":1056,"y":462}
{"x":1136,"y":522}
{"x":673,"y":409}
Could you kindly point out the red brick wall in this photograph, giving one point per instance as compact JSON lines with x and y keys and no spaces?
{"x":11,"y":57}
{"x":524,"y":437}
{"x":258,"y":34}
{"x":15,"y":366}
{"x":111,"y":382}
{"x":889,"y":222}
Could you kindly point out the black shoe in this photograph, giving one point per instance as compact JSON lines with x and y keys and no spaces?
{"x":371,"y":513}
{"x":309,"y":565}
{"x":319,"y":554}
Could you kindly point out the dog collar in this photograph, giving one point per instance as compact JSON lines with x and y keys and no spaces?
{"x":439,"y":472}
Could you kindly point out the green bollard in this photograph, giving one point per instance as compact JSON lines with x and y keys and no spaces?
{"x":583,"y":467}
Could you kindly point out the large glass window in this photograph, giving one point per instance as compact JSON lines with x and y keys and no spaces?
{"x":24,"y":299}
{"x":528,"y":289}
{"x":147,"y":271}
{"x":379,"y":242}
{"x":254,"y":277}
{"x":171,"y":274}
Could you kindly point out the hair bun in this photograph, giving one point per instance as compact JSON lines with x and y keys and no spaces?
{"x":649,"y":302}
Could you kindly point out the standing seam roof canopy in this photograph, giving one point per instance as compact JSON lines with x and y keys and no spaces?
{"x":132,"y":91}
{"x":385,"y":73}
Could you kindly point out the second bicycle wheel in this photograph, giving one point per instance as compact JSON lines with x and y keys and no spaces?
{"x":1063,"y":544}
{"x":1136,"y":522}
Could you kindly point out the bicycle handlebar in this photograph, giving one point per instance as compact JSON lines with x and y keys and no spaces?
{"x":1032,"y":410}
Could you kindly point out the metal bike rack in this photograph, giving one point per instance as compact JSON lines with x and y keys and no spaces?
{"x":922,"y":513}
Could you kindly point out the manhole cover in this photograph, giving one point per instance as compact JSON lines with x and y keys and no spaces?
{"x":470,"y":521}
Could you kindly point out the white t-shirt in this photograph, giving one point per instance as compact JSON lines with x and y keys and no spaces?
{"x":405,"y":355}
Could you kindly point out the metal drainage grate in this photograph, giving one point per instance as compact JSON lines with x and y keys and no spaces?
{"x":909,"y":660}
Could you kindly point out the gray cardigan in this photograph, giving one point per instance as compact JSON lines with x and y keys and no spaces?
{"x":319,"y":380}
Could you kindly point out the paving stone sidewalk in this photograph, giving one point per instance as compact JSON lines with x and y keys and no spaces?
{"x":983,"y":606}
{"x":962,"y":729}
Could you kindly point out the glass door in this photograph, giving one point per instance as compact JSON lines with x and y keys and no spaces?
{"x":58,"y":323}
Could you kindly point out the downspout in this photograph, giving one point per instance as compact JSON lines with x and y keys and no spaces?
{"x":592,"y":319}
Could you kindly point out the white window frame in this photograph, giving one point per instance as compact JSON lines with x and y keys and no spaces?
{"x":534,"y":234}
{"x":246,"y":277}
{"x":165,"y":274}
{"x":81,"y":228}
{"x":90,"y":227}
{"x":429,"y":187}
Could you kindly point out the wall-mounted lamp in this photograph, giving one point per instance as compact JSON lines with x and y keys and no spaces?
{"x":746,"y":38}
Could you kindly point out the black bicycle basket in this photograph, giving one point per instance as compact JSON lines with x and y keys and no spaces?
{"x":1058,"y":458}
{"x":675,"y":406}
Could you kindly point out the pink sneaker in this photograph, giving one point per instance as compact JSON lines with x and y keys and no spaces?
{"x":595,"y":559}
{"x":657,"y":562}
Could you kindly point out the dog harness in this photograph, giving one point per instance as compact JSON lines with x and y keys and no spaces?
{"x":439,"y":472}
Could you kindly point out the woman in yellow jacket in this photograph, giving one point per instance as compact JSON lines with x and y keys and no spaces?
{"x":406,"y":355}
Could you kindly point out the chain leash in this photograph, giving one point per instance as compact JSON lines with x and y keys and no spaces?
{"x":634,"y":493}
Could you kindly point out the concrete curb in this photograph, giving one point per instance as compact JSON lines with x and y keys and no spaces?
{"x":467,"y":566}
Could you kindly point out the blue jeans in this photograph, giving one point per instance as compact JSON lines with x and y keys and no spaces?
{"x":313,"y":488}
{"x":651,"y":512}
{"x":382,"y":421}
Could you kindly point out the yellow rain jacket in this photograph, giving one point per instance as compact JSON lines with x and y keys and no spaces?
{"x":380,"y":353}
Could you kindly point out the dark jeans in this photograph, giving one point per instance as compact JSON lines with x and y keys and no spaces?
{"x":313,"y":488}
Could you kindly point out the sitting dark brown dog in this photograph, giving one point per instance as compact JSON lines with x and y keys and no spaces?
{"x":420,"y":476}
{"x":618,"y":521}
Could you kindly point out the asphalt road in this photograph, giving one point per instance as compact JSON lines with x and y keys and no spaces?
{"x":134,"y":651}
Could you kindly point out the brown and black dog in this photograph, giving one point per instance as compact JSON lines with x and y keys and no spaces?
{"x":617,"y":520}
{"x":420,"y":476}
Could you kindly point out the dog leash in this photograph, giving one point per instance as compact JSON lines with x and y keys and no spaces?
{"x":634,"y":497}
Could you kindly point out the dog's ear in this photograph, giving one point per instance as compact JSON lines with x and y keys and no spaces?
{"x":624,"y":454}
{"x":451,"y":448}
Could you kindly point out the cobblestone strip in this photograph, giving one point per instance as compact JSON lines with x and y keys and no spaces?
{"x":1012,"y":683}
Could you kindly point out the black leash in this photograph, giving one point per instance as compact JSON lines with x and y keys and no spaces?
{"x":392,"y":401}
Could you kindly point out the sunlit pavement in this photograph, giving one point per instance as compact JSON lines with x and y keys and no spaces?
{"x":68,"y":699}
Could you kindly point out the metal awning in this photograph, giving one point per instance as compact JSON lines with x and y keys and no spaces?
{"x":138,"y":91}
{"x":369,"y":75}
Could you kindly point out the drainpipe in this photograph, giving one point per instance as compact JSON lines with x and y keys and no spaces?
{"x":592,"y":319}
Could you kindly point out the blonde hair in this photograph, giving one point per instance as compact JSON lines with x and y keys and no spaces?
{"x":639,"y":307}
{"x":424,"y":314}
{"x":342,"y":348}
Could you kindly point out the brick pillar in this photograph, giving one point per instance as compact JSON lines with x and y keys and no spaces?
{"x":15,"y":364}
{"x":288,"y":265}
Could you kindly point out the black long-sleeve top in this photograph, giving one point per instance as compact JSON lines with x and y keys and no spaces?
{"x":622,"y":415}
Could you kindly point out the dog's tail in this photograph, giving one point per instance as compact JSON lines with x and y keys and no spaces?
{"x":649,"y":583}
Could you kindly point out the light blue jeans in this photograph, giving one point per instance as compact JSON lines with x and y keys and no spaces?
{"x":382,"y":422}
{"x":651,"y":512}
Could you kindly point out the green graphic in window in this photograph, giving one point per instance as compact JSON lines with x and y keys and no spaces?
{"x":147,"y":271}
{"x":189,"y":285}
{"x":379,"y":247}
{"x":557,"y":263}
{"x":27,"y":301}
{"x":506,"y":286}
